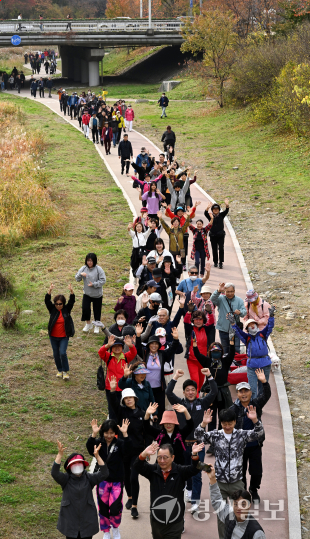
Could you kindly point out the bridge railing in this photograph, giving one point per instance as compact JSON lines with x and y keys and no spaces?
{"x":91,"y":26}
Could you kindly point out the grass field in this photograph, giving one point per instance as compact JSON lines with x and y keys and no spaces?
{"x":36,"y":409}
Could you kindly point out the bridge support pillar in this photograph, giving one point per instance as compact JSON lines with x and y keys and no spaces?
{"x":93,"y":72}
{"x":64,"y":64}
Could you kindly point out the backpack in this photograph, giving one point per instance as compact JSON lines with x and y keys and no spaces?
{"x":101,"y":375}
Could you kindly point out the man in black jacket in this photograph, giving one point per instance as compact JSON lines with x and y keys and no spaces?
{"x":125,"y":153}
{"x":49,"y":85}
{"x":217,"y":232}
{"x":167,"y":482}
{"x":196,"y":408}
{"x":41,"y":87}
{"x":145,"y":272}
{"x":253,"y":452}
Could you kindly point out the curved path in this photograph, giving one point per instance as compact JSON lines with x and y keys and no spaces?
{"x":279,"y":489}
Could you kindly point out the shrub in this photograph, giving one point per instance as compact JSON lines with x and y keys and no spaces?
{"x":9,"y":318}
{"x":26,"y":209}
{"x":5,"y":285}
{"x":288,"y":102}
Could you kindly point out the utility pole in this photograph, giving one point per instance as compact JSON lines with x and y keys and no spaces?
{"x":141,"y":9}
{"x":150,"y":13}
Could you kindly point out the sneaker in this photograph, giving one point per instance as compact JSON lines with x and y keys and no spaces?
{"x":194,"y":508}
{"x":134,"y":512}
{"x":128,"y":504}
{"x":255,"y":496}
{"x":87,"y":327}
{"x":66,"y":376}
{"x":220,"y":266}
{"x":106,"y":535}
{"x":116,"y":533}
{"x":96,"y":330}
{"x":59,"y":375}
{"x":188,"y":495}
{"x":215,"y":265}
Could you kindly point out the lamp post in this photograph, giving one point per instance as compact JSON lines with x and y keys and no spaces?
{"x":150,"y":13}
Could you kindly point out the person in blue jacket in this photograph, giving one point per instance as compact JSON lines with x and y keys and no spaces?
{"x":72,"y":101}
{"x":256,"y":349}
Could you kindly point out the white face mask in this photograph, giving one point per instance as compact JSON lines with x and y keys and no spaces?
{"x":77,"y":468}
{"x":253,"y":331}
{"x":120,"y":322}
{"x":193,"y":277}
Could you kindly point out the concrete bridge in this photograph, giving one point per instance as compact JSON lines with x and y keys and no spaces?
{"x":81,"y":43}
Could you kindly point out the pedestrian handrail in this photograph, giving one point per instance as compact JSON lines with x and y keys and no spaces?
{"x":132,"y":25}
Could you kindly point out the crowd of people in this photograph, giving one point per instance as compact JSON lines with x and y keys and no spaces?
{"x":12,"y":81}
{"x":40,"y":59}
{"x":140,"y":370}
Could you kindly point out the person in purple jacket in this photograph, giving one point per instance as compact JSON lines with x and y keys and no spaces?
{"x":127,"y":301}
{"x":153,"y":198}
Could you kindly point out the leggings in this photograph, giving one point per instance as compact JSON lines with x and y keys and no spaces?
{"x":132,"y":477}
{"x":195,"y":374}
{"x":86,"y":307}
{"x":110,"y":504}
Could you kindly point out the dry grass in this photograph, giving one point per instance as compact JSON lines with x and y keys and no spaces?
{"x":26,"y":208}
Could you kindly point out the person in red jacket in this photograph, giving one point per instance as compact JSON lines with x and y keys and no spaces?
{"x":199,"y":328}
{"x":116,"y":361}
{"x":106,"y":138}
{"x":129,"y":116}
{"x":85,"y":121}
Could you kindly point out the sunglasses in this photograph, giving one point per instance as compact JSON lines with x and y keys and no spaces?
{"x":194,"y":273}
{"x":58,"y":303}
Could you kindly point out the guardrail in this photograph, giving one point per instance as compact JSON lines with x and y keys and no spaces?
{"x":96,"y":26}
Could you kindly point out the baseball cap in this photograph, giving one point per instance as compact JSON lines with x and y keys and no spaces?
{"x":243,"y":385}
{"x":151,"y":260}
{"x":152,"y":283}
{"x":155,"y":297}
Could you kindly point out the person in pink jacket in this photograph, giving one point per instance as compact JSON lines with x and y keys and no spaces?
{"x":257,"y":309}
{"x":129,"y":116}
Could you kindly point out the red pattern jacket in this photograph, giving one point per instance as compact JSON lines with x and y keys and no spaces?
{"x":204,"y":233}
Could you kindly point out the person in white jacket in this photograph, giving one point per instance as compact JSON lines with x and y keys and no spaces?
{"x":160,"y":252}
{"x":138,"y":244}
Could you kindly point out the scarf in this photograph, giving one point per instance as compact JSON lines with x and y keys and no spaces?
{"x":155,"y":359}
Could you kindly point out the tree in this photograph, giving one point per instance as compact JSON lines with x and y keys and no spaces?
{"x":213,"y":34}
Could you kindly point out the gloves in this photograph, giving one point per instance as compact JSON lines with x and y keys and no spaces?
{"x":208,"y":308}
{"x":272,"y":311}
{"x":153,"y":319}
{"x":230,"y":317}
{"x":231,"y":332}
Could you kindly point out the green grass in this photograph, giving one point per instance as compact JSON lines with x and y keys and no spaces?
{"x":273,"y":170}
{"x":35,"y":408}
{"x":119,"y":59}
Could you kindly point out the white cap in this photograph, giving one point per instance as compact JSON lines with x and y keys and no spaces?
{"x":249,"y":321}
{"x":128,"y":392}
{"x":243,"y":385}
{"x":160,"y":332}
{"x":155,"y":297}
{"x":206,"y":289}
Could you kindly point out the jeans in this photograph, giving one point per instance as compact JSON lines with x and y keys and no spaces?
{"x":115,"y":138}
{"x":41,"y":90}
{"x":95,"y":134}
{"x":163,"y":112}
{"x":107,"y":145}
{"x":194,"y":483}
{"x":200,"y":255}
{"x":59,"y":346}
{"x":2,"y":86}
{"x":224,"y":338}
{"x":256,"y":385}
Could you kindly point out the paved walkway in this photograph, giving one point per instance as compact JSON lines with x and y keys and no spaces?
{"x":274,"y":489}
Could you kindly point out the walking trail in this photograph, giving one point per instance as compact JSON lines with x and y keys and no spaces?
{"x":277,"y":517}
